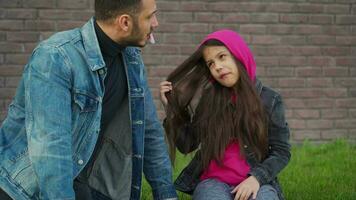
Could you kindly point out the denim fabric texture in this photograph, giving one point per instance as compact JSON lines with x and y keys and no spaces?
{"x":53,"y":121}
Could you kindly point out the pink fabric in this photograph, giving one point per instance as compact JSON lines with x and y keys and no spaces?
{"x":238,"y":47}
{"x":234,"y":169}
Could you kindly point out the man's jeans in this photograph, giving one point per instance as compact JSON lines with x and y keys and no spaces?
{"x":211,"y":189}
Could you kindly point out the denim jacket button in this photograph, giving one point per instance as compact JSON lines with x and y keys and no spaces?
{"x":80,"y":162}
{"x":245,"y":146}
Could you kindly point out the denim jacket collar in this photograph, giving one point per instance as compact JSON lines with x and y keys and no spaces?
{"x":91,"y":45}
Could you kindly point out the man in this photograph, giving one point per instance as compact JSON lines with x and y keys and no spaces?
{"x":83,"y":123}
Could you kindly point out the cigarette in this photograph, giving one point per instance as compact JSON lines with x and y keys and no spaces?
{"x":152,"y":39}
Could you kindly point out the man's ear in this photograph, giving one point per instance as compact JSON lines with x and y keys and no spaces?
{"x":124,"y":22}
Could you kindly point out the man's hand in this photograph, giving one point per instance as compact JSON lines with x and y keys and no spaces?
{"x":246,"y":188}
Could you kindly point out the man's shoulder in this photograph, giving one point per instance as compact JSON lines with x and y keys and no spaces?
{"x":62,"y":38}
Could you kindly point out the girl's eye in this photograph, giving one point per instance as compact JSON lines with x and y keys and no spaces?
{"x":222,"y":56}
{"x":209,"y":64}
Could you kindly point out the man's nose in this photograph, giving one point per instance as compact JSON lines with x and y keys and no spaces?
{"x":154,"y":22}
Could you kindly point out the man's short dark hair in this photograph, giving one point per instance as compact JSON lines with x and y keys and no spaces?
{"x":109,"y":9}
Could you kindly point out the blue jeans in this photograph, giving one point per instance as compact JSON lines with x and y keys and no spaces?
{"x":216,"y":190}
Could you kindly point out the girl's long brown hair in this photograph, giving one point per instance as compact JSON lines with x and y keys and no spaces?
{"x":214,"y":117}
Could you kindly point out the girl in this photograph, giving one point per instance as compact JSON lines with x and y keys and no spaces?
{"x":215,"y":103}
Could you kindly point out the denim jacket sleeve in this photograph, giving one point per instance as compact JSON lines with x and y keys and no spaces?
{"x":48,"y":122}
{"x":157,"y":164}
{"x":279,"y":147}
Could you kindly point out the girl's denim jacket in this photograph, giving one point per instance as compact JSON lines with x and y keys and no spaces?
{"x":54,"y":121}
{"x":265,"y":171}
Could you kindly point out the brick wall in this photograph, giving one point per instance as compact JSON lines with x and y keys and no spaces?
{"x":305,"y":49}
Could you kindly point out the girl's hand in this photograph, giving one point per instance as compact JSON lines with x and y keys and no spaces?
{"x":246,"y":188}
{"x":165,"y":86}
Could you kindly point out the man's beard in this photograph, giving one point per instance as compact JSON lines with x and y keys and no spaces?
{"x":136,"y":37}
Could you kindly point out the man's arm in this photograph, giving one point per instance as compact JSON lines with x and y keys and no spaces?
{"x":157,"y":165}
{"x":48,"y":122}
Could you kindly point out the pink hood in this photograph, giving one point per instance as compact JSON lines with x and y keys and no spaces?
{"x":238,"y":47}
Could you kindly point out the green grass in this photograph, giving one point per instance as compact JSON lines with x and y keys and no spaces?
{"x":326,"y":171}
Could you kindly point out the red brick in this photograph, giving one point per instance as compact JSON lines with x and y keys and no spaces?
{"x":2,"y":84}
{"x":55,"y":14}
{"x":279,"y":71}
{"x":207,"y":17}
{"x":319,"y":124}
{"x":335,"y":51}
{"x":352,"y":113}
{"x":345,"y":82}
{"x":334,"y":114}
{"x":216,"y":26}
{"x":29,"y":47}
{"x":252,"y":29}
{"x":266,"y":60}
{"x":307,"y":114}
{"x":39,"y":4}
{"x":178,"y":17}
{"x":307,"y":51}
{"x":1,"y":59}
{"x":294,"y":40}
{"x":150,"y":59}
{"x":159,"y":71}
{"x":193,"y":6}
{"x":194,"y":28}
{"x":308,"y":29}
{"x":293,"y":18}
{"x":11,"y":48}
{"x":346,"y":103}
{"x":336,"y":92}
{"x":321,"y":19}
{"x":321,"y":40}
{"x":235,"y":18}
{"x":337,"y":30}
{"x":319,"y":103}
{"x":280,"y":29}
{"x":295,"y":103}
{"x":351,"y":123}
{"x":346,"y":40}
{"x":16,"y":59}
{"x":309,"y":71}
{"x":82,"y":15}
{"x":304,"y":93}
{"x":39,"y":25}
{"x":11,"y":25}
{"x":333,"y":134}
{"x":21,"y":14}
{"x":11,"y":4}
{"x":293,"y":61}
{"x":281,"y":50}
{"x":279,"y":7}
{"x":163,"y":49}
{"x":66,"y":25}
{"x":291,"y":82}
{"x":6,"y":93}
{"x":322,"y":61}
{"x":23,"y":36}
{"x":336,"y":71}
{"x":264,"y":18}
{"x":187,"y":49}
{"x":168,"y":6}
{"x":345,"y":19}
{"x":346,"y":61}
{"x":288,"y":114}
{"x":265,"y":39}
{"x":12,"y":82}
{"x":306,"y":134}
{"x":174,"y":60}
{"x":297,"y":124}
{"x":319,"y":82}
{"x":337,"y":9}
{"x":70,"y":4}
{"x":11,"y":70}
{"x":309,"y":8}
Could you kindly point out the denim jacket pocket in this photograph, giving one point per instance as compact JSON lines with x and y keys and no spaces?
{"x":86,"y":103}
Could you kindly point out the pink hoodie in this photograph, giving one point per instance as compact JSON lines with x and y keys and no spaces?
{"x":235,"y":168}
{"x":238,"y":47}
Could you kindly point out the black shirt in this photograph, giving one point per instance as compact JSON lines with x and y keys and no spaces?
{"x":115,"y":82}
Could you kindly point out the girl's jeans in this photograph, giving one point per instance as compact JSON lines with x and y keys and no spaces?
{"x":216,"y":190}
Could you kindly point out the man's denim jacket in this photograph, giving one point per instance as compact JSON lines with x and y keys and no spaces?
{"x":265,"y":171}
{"x":54,"y":120}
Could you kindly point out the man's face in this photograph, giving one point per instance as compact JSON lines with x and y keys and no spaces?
{"x":143,"y":24}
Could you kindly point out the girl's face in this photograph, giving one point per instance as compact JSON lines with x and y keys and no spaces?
{"x":222,"y":65}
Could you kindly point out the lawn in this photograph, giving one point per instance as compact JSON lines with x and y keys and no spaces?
{"x":326,"y":171}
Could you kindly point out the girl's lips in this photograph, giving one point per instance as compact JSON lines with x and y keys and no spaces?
{"x":224,"y":75}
